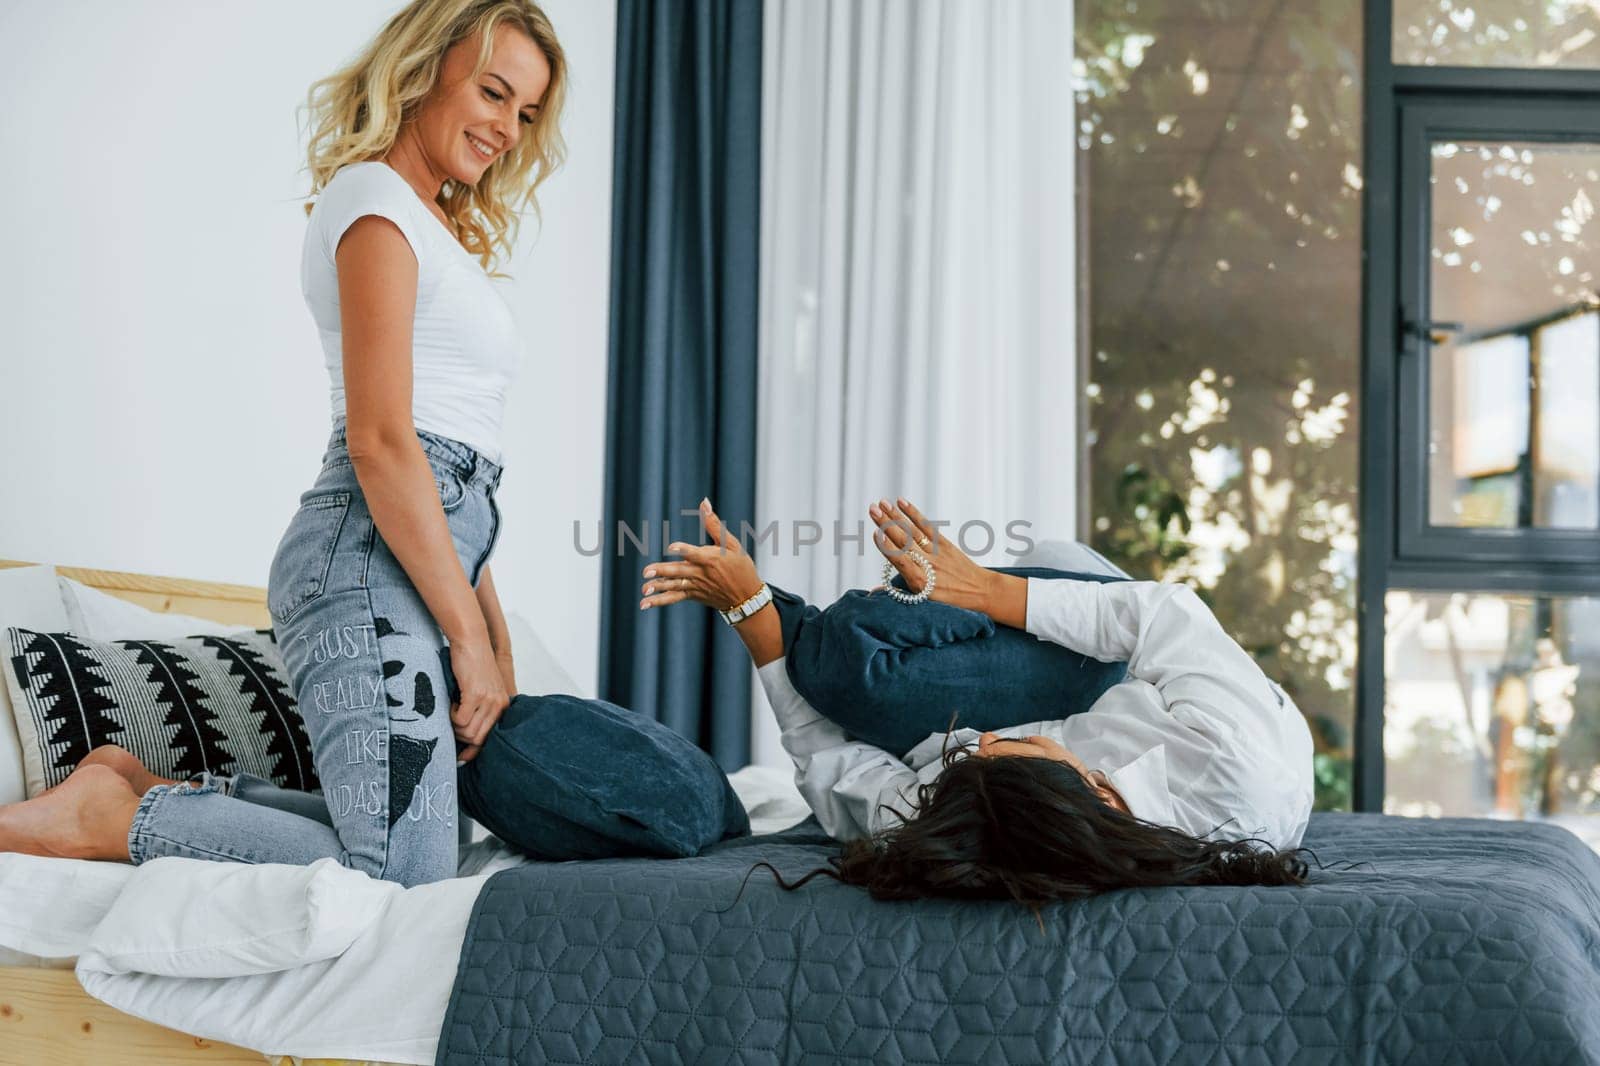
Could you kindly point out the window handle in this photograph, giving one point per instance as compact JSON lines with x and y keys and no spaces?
{"x":1426,"y":332}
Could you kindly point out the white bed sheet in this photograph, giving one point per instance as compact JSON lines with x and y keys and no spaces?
{"x":315,"y":961}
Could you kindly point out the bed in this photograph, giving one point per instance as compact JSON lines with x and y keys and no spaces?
{"x":1456,"y":941}
{"x":1459,"y":941}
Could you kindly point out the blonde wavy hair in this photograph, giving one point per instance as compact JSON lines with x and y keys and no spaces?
{"x":357,"y":113}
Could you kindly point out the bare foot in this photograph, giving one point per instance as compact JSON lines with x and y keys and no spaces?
{"x":85,"y":817}
{"x":123,"y":762}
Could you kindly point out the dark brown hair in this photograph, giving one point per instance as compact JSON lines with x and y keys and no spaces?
{"x":1032,"y":830}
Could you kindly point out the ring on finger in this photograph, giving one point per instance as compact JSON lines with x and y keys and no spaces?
{"x":901,"y":595}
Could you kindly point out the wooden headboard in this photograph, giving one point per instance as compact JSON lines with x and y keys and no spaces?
{"x":230,"y":604}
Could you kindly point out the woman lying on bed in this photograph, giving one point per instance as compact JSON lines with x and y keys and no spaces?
{"x":1194,"y":769}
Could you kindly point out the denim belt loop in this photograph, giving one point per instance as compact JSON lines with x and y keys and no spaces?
{"x":488,"y":472}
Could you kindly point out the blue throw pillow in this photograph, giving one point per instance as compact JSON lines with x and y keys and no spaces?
{"x":891,"y":674}
{"x":561,"y":777}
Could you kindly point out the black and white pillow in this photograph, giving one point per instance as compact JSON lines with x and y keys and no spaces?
{"x":218,"y":703}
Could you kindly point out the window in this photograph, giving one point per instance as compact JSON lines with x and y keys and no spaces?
{"x":1479,"y":671}
{"x":1513,"y":439}
{"x":1492,"y":707}
{"x":1496,"y":363}
{"x":1220,"y":185}
{"x":1497,"y":33}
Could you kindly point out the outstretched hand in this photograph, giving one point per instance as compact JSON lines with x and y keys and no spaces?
{"x":903,"y":530}
{"x":720,"y":574}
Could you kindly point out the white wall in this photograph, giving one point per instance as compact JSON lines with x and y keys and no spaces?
{"x":162,"y":395}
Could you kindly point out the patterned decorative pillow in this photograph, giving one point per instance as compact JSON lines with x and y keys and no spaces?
{"x":218,"y":703}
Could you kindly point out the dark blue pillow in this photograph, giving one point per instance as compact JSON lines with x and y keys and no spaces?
{"x":890,"y":673}
{"x":562,"y":777}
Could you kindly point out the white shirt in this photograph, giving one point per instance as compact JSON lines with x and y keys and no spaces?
{"x":1194,"y":736}
{"x":465,"y":348}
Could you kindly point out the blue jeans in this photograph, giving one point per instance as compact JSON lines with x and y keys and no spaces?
{"x":890,"y":674}
{"x":371,"y":674}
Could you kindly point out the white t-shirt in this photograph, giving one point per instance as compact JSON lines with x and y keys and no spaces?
{"x":465,"y":348}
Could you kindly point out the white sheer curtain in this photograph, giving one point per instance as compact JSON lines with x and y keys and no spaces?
{"x":917,"y":282}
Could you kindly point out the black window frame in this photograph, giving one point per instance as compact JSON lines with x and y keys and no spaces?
{"x":1395,"y":550}
{"x":1422,"y":120}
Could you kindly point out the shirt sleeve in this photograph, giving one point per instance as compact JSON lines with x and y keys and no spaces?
{"x":846,"y":782}
{"x":358,"y":190}
{"x":1169,"y":639}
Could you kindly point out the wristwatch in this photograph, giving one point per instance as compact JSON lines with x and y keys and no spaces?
{"x":734,"y":615}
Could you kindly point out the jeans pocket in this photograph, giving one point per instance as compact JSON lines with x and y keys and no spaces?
{"x":299,"y":570}
{"x":448,"y":481}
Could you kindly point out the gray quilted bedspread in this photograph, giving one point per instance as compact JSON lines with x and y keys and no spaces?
{"x":1457,"y":941}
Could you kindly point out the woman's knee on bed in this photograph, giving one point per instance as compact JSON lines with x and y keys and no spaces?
{"x":368,"y":666}
{"x":422,"y":803}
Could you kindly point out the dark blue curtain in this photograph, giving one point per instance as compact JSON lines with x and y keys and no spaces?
{"x":681,"y":402}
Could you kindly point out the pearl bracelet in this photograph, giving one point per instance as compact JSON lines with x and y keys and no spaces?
{"x":901,"y":595}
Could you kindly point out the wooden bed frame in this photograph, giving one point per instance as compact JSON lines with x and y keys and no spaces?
{"x":46,"y":1018}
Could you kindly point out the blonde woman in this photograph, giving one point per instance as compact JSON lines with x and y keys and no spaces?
{"x":380,"y":590}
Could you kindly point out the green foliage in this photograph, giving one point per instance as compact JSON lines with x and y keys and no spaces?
{"x":1222,"y":153}
{"x":1158,"y":536}
{"x":1333,"y":781}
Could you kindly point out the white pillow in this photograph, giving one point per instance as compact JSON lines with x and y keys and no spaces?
{"x":538,"y":672}
{"x":1067,"y":555}
{"x":29,"y":597}
{"x":770,"y":797}
{"x":102,"y":616}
